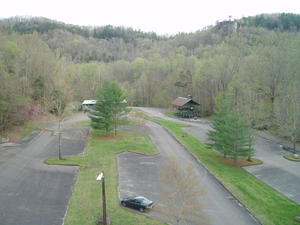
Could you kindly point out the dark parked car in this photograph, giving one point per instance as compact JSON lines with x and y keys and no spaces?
{"x":140,"y":203}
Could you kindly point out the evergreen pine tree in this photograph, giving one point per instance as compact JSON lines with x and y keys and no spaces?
{"x":218,"y":134}
{"x":231,"y":135}
{"x":118,"y":104}
{"x":110,"y":104}
{"x":240,"y":137}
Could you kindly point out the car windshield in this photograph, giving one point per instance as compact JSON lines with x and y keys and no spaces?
{"x":143,"y":200}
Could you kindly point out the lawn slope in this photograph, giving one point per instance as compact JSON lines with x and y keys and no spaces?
{"x":100,"y":156}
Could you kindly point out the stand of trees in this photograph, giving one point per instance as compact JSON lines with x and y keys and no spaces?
{"x":30,"y":74}
{"x":250,"y":64}
{"x":280,"y":21}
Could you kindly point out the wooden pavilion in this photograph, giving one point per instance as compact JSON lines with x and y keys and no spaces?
{"x":186,"y":107}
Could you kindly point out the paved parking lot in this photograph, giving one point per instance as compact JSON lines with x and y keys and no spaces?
{"x":31,"y":192}
{"x":283,"y":175}
{"x":140,"y":175}
{"x":131,"y":166}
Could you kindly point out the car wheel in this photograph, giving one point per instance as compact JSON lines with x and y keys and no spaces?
{"x":141,"y":209}
{"x":123,"y":204}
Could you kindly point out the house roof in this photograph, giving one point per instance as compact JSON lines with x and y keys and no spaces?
{"x":89,"y":102}
{"x":93,"y":102}
{"x":181,"y":101}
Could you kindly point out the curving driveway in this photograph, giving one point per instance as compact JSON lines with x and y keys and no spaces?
{"x":139,"y":175}
{"x":283,"y":175}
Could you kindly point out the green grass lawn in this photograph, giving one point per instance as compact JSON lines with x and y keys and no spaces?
{"x":268,"y":205}
{"x":100,"y":156}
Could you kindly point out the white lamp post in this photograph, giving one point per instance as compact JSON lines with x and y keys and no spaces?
{"x":99,"y":178}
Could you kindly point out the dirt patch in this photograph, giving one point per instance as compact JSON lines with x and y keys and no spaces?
{"x":110,"y":137}
{"x":241,"y":162}
{"x":16,"y":132}
{"x":45,"y":118}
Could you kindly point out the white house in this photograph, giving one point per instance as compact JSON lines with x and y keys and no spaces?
{"x":87,"y":103}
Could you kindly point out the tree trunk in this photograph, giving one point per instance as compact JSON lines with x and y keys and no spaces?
{"x":235,"y":161}
{"x":235,"y":97}
{"x":272,"y":110}
{"x":59,"y":142}
{"x":249,"y":156}
{"x":235,"y":155}
{"x":115,"y":126}
{"x":294,"y":147}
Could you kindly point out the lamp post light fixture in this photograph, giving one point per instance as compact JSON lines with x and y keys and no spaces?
{"x":99,"y":178}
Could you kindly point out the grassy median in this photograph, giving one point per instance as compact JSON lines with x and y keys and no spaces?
{"x":267,"y":204}
{"x":292,"y":158}
{"x":100,"y":156}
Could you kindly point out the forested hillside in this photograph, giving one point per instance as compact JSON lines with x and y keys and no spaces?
{"x":252,"y":62}
{"x":280,"y":22}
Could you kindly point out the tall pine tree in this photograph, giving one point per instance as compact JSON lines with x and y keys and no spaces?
{"x":218,"y":134}
{"x":231,"y":135}
{"x":110,"y":105}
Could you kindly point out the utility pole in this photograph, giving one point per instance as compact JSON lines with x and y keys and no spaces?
{"x":99,"y":178}
{"x":104,"y":202}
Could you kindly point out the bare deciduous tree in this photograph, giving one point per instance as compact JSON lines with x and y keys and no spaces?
{"x":289,"y":116}
{"x":60,"y":96}
{"x":182,"y":194}
{"x":58,"y":109}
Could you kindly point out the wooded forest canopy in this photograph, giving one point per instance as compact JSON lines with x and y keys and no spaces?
{"x":252,"y":62}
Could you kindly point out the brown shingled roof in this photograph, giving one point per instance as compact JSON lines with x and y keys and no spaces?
{"x":181,"y":101}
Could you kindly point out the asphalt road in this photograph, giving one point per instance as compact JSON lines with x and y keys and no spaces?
{"x":31,"y":192}
{"x":139,"y":175}
{"x":283,"y":175}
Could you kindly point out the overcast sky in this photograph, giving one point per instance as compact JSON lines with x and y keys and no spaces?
{"x":161,"y":16}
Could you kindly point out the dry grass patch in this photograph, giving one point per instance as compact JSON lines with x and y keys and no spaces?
{"x":111,"y":137}
{"x":241,"y":162}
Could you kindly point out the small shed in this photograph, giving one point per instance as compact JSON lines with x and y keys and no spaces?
{"x":88,"y":103}
{"x":186,"y":107}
